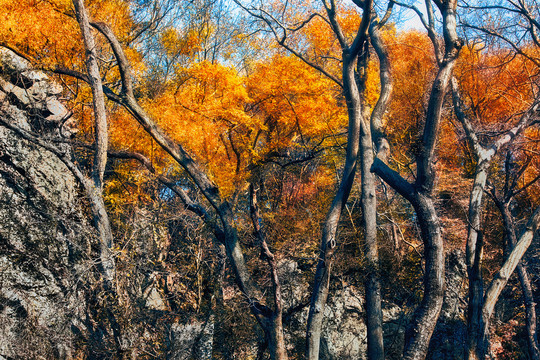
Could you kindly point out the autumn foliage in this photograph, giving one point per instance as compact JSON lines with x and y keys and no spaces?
{"x":276,"y":121}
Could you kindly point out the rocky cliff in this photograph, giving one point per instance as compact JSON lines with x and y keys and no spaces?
{"x":43,"y":234}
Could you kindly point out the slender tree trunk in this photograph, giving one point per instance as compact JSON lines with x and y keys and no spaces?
{"x":272,"y":322}
{"x":501,"y":278}
{"x":420,"y":330}
{"x":103,"y":226}
{"x":328,"y":240}
{"x":474,"y":255}
{"x":526,"y":288}
{"x":94,"y":190}
{"x":372,"y":282}
{"x":398,"y":248}
{"x":530,"y":312}
{"x":98,"y":98}
{"x":422,"y":325}
{"x":373,"y":134}
{"x":275,"y":338}
{"x":217,"y":294}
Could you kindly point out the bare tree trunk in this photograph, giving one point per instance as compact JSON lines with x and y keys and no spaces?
{"x":421,"y":327}
{"x":94,"y":188}
{"x":476,"y":342}
{"x":501,"y":278}
{"x":423,"y":324}
{"x":275,"y":338}
{"x":530,"y":312}
{"x":372,"y":282}
{"x":373,"y":133}
{"x":351,"y":55}
{"x":98,"y":99}
{"x":418,"y":334}
{"x":477,"y":339}
{"x":328,"y":240}
{"x":526,"y":288}
{"x":103,"y":226}
{"x":474,"y":255}
{"x":272,"y":322}
{"x":419,"y":194}
{"x":94,"y":191}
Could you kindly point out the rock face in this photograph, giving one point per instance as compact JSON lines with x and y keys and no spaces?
{"x":343,"y":335}
{"x":192,"y":340}
{"x":344,"y":329}
{"x":43,"y":234}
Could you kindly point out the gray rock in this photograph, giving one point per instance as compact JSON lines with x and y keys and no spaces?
{"x":12,"y":63}
{"x":43,"y":234}
{"x":344,"y":328}
{"x":193,"y":340}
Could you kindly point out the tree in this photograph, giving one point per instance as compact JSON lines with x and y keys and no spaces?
{"x":95,"y":191}
{"x":352,"y":80}
{"x":478,"y":315}
{"x":502,"y":201}
{"x":508,"y":41}
{"x":420,"y":194}
{"x":231,"y":137}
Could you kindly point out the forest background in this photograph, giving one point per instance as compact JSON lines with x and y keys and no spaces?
{"x":244,"y":137}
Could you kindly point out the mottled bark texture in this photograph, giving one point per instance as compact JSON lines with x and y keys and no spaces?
{"x":501,"y":278}
{"x":372,"y":133}
{"x":356,"y":113}
{"x":524,"y":279}
{"x":420,"y":193}
{"x":477,"y":336}
{"x":94,"y":188}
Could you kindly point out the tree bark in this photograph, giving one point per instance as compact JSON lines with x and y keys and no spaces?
{"x":321,"y":282}
{"x":420,"y":330}
{"x":474,"y":250}
{"x":475,"y":318}
{"x":328,"y":240}
{"x":273,"y":322}
{"x":501,"y":278}
{"x":373,"y":133}
{"x":372,"y":282}
{"x":98,"y":98}
{"x":419,"y":194}
{"x":423,"y":324}
{"x":526,"y":287}
{"x":94,"y":190}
